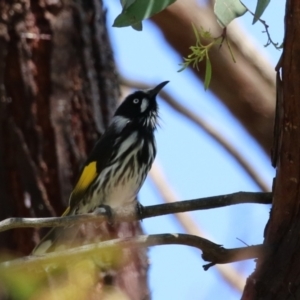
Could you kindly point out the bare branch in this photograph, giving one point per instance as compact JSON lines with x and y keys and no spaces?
{"x":269,"y":41}
{"x":212,"y":252}
{"x":230,"y":275}
{"x":129,"y":214}
{"x":209,"y":129}
{"x":100,"y":215}
{"x":206,"y":203}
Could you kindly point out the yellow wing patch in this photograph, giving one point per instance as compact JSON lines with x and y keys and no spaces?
{"x":88,"y":174}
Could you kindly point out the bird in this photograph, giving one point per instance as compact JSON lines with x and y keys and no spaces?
{"x":116,"y":168}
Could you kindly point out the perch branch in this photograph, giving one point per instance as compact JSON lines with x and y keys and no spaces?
{"x":129,"y":214}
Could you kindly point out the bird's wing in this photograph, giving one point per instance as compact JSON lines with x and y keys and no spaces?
{"x":62,"y":237}
{"x":88,"y":174}
{"x":99,"y":158}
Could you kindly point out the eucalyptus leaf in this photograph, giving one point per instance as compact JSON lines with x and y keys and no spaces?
{"x":126,"y":3}
{"x":137,"y":26}
{"x":260,"y":8}
{"x":207,"y":78}
{"x":138,"y":10}
{"x":228,"y":10}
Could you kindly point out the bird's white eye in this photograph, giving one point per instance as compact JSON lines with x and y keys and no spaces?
{"x":136,"y":101}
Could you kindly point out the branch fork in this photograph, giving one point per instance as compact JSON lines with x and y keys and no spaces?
{"x":214,"y":253}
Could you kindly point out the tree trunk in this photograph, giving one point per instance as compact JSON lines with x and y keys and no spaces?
{"x":58,"y":91}
{"x":277,"y":275}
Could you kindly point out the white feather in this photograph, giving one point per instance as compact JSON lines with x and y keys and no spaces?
{"x":119,"y":122}
{"x":118,"y":193}
{"x":144,"y":105}
{"x":126,"y":144}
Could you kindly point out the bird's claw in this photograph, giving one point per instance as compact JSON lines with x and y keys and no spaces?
{"x":107,"y":211}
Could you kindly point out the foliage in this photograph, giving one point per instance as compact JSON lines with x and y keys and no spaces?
{"x":260,"y":8}
{"x":73,"y":278}
{"x":225,"y":11}
{"x":228,"y":10}
{"x":134,"y":11}
{"x":201,"y":52}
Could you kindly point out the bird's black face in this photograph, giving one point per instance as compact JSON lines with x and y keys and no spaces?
{"x":140,"y":107}
{"x":137,"y":105}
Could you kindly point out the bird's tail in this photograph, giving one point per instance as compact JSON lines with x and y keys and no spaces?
{"x":58,"y":238}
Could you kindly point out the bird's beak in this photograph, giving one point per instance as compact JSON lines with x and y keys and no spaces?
{"x":153,"y":92}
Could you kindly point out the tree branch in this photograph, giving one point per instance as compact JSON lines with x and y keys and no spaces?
{"x":206,"y":203}
{"x":129,"y":214}
{"x":212,"y":252}
{"x":230,"y":275}
{"x":269,"y":41}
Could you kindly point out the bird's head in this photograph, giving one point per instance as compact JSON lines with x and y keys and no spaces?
{"x":140,"y":107}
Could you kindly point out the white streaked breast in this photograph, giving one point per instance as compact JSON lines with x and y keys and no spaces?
{"x":126,"y":144}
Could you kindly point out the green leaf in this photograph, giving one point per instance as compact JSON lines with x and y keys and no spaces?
{"x":260,"y":8}
{"x":230,"y":50}
{"x":196,"y":34}
{"x":207,"y":72}
{"x":21,"y":284}
{"x":183,"y":67}
{"x":126,"y":3}
{"x":228,"y":10}
{"x":137,"y":26}
{"x":139,"y":10}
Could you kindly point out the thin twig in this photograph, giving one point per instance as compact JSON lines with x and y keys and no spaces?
{"x":212,"y":252}
{"x":129,"y":214}
{"x":210,"y":130}
{"x":269,"y":41}
{"x":230,"y":275}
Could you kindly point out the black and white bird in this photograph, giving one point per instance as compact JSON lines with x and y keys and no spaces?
{"x":118,"y":165}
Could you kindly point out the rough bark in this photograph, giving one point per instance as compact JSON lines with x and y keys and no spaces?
{"x":247,"y":88}
{"x":277,"y":276}
{"x":58,"y":91}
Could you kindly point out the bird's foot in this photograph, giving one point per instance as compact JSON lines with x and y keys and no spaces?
{"x":107,"y":211}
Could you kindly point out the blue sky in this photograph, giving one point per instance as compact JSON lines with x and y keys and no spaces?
{"x":194,"y":164}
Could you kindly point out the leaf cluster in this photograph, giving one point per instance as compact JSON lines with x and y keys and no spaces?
{"x":200,"y":52}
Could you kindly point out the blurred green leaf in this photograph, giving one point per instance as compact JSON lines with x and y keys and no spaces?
{"x":227,"y":10}
{"x":207,"y":78}
{"x":137,"y":26}
{"x":21,"y":285}
{"x":230,"y":50}
{"x":126,"y":3}
{"x":134,"y":11}
{"x":260,"y":8}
